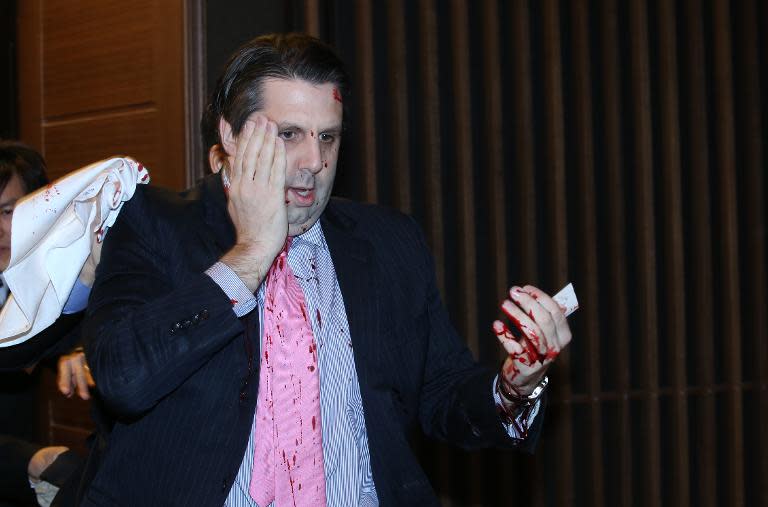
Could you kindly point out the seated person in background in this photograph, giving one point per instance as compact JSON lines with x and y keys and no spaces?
{"x":22,"y":170}
{"x":256,"y":285}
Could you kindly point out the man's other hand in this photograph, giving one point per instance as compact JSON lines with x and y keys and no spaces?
{"x":539,"y":332}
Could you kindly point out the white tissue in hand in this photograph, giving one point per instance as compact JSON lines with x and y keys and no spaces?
{"x":567,"y":299}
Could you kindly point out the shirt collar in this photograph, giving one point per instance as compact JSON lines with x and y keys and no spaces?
{"x":314,"y":236}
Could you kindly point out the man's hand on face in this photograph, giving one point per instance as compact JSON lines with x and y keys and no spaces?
{"x":256,"y":194}
{"x":541,"y":332}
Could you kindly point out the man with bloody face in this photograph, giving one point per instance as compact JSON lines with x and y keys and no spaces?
{"x":262,"y":343}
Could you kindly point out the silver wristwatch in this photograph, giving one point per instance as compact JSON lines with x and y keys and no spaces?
{"x":509,"y":393}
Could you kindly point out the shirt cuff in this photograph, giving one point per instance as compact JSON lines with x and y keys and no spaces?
{"x":516,"y":422}
{"x":243,"y":300}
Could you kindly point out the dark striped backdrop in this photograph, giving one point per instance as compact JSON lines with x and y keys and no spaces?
{"x":621,"y":146}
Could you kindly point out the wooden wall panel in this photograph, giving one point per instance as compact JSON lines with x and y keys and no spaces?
{"x":30,"y":76}
{"x":77,"y":143}
{"x":98,"y":64}
{"x":97,"y":56}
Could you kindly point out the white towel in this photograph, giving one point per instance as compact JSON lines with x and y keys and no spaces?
{"x":51,"y":236}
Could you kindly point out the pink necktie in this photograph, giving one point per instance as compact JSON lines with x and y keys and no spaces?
{"x":288,"y":454}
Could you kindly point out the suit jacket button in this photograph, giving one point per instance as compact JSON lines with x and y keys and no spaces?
{"x":203,"y":314}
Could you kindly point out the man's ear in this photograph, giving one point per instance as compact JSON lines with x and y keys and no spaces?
{"x":227,"y":136}
{"x":217,"y":158}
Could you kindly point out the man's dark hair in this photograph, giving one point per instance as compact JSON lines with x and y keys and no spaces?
{"x":238,"y":92}
{"x":28,"y":164}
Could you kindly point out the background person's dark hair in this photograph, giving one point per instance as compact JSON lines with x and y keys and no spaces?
{"x":238,"y":91}
{"x":18,"y":158}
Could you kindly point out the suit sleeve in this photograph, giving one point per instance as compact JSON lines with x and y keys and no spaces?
{"x":151,"y":323}
{"x":457,"y":403}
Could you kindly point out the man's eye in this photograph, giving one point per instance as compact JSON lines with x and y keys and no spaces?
{"x":6,"y":212}
{"x":287,"y":135}
{"x":327,"y":138}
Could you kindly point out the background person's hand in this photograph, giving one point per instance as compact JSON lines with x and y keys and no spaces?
{"x":74,"y":376}
{"x":88,"y":273}
{"x":42,"y":459}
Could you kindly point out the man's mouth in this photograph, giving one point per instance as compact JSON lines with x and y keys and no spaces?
{"x":301,"y":196}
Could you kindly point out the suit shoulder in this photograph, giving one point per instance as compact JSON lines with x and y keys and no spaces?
{"x":155,"y":211}
{"x":160,"y":204}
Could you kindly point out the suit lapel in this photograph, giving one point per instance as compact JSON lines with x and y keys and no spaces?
{"x":352,"y":260}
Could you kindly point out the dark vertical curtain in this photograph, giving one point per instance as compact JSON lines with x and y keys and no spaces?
{"x":620,"y":145}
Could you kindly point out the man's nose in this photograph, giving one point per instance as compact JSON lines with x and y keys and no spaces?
{"x":311,"y":156}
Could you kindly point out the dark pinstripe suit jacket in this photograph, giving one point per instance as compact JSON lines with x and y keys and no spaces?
{"x":181,"y":370}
